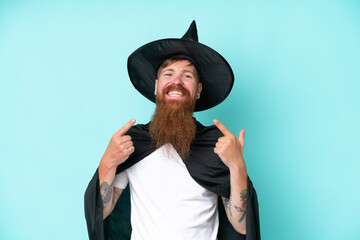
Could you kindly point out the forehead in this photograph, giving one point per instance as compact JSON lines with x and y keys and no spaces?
{"x":180,"y":65}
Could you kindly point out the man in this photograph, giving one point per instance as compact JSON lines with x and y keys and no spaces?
{"x":176,"y":168}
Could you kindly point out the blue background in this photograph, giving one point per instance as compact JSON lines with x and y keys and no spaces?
{"x":64,"y":91}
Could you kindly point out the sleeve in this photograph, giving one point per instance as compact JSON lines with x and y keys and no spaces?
{"x":121,"y":180}
{"x":93,"y":209}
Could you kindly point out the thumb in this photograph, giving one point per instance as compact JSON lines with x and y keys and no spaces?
{"x":241,"y":138}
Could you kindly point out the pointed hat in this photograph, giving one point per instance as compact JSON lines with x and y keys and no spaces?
{"x":215,"y":73}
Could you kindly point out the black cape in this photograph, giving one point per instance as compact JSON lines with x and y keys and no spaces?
{"x":204,"y":166}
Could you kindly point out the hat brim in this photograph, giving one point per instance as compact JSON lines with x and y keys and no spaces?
{"x":214,"y":71}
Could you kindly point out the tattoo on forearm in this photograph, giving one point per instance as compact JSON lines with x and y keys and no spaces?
{"x":242,"y":217}
{"x":106,"y":193}
{"x":227,"y":205}
{"x":239,"y":209}
{"x":243,"y":197}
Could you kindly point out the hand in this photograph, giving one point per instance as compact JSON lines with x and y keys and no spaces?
{"x":230,"y":149}
{"x":119,"y":149}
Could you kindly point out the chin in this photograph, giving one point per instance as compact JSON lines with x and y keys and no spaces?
{"x":175,"y":103}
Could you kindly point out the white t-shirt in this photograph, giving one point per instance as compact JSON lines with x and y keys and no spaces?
{"x":166,"y":203}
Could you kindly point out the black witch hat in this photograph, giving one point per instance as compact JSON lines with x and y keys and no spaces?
{"x":214,"y":71}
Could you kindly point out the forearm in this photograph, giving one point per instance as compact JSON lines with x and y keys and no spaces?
{"x":109,"y":196}
{"x":106,"y":178}
{"x":235,"y":206}
{"x":106,"y":192}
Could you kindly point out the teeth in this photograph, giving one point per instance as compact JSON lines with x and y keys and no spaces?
{"x":173,"y":93}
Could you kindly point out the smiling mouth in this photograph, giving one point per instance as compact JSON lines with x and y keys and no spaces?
{"x":175,"y":93}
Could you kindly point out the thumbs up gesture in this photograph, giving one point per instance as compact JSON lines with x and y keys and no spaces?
{"x":230,"y":149}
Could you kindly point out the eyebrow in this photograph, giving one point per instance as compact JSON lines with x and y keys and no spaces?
{"x":168,"y":69}
{"x":188,"y":71}
{"x":172,"y":70}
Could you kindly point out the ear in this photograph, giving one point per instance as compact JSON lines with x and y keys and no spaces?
{"x":156,"y":83}
{"x":199,"y":88}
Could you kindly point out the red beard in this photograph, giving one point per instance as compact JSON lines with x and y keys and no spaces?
{"x":173,"y":121}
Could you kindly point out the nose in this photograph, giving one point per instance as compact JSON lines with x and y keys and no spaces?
{"x":177,"y":79}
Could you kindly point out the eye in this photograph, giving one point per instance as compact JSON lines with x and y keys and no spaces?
{"x":188,"y":76}
{"x":167,"y":74}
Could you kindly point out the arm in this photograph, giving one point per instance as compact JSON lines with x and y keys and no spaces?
{"x":230,"y":152}
{"x":235,"y":205}
{"x":109,"y":195}
{"x":118,"y":150}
